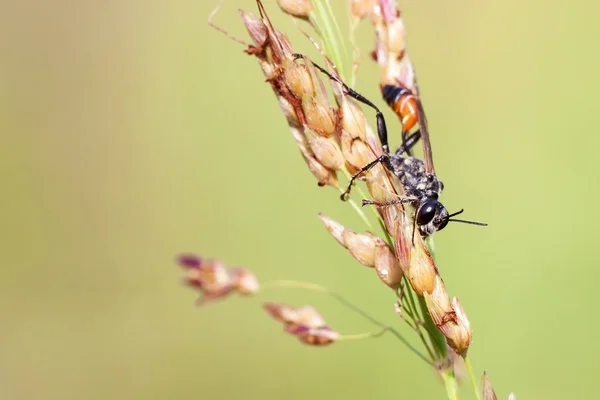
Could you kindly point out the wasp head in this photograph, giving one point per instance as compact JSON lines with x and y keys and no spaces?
{"x":432,"y":216}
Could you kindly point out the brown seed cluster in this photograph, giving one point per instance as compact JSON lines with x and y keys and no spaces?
{"x":302,"y":98}
{"x":214,"y":280}
{"x":303,"y":322}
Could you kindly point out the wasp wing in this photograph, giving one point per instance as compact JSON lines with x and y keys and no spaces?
{"x":427,"y":155}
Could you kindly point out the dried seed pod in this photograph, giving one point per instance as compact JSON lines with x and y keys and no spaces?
{"x":319,"y":336}
{"x":245,"y":281}
{"x":319,"y":116}
{"x":296,"y":8}
{"x":289,"y":112}
{"x":369,"y":250}
{"x":360,"y":9}
{"x":309,"y":316}
{"x":387,"y":266}
{"x":255,"y":26}
{"x":324,"y":175}
{"x":326,"y":150}
{"x":450,"y":318}
{"x":396,"y":37}
{"x":361,"y":247}
{"x":298,"y":78}
{"x":487,"y":391}
{"x":356,"y":153}
{"x":304,"y":322}
{"x":461,"y":336}
{"x":335,"y":228}
{"x":416,"y":261}
{"x":281,"y":312}
{"x":353,"y":119}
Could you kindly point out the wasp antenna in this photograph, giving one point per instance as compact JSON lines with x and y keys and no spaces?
{"x":218,"y":28}
{"x":468,"y":222}
{"x":456,"y":213}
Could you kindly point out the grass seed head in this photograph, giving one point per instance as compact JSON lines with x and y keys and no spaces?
{"x":214,"y":280}
{"x":449,"y":318}
{"x":305,"y":322}
{"x":301,"y":103}
{"x":296,"y":8}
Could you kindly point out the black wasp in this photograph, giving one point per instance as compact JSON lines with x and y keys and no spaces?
{"x":421,"y":185}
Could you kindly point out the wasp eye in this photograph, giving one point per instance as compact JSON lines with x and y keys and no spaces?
{"x":426,"y":212}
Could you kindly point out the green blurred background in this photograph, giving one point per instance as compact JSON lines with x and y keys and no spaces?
{"x":131,"y":131}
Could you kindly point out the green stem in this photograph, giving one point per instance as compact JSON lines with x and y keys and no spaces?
{"x":450,"y":383}
{"x":362,"y":336}
{"x":326,"y":25}
{"x":318,"y":288}
{"x":411,"y":311}
{"x":473,"y":380}
{"x":376,"y":322}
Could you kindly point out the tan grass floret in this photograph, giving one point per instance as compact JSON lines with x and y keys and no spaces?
{"x":369,"y":250}
{"x":297,"y":8}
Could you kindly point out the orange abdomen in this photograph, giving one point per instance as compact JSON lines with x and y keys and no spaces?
{"x":404,"y":104}
{"x":406,"y":109}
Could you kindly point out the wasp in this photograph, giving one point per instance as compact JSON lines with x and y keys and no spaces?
{"x":422,"y":187}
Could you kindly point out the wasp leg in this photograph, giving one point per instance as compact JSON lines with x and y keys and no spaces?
{"x":381,"y":127}
{"x":409,"y":142}
{"x":389,"y":203}
{"x":384,"y":159}
{"x":405,"y":147}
